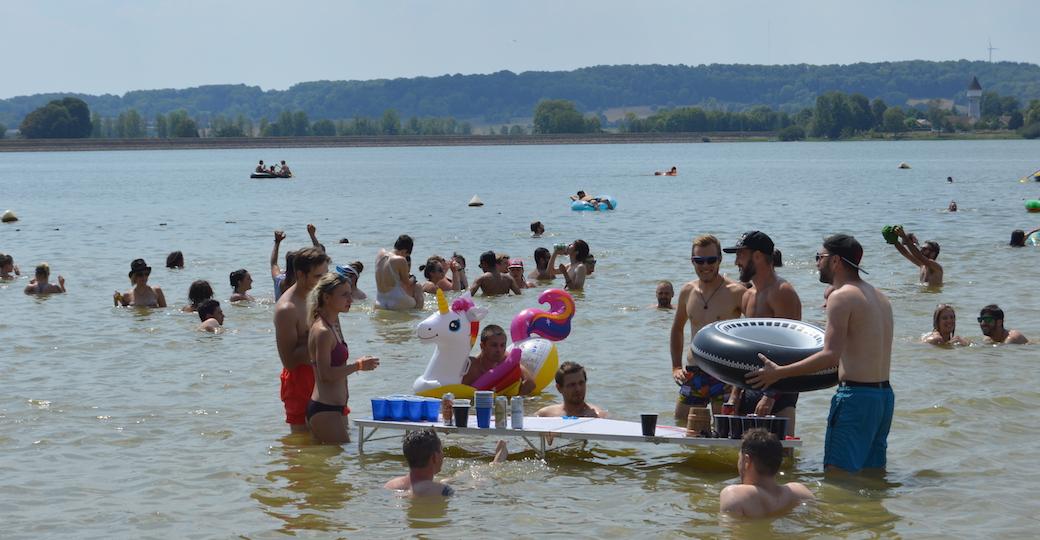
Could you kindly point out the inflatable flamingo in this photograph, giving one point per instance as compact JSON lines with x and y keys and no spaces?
{"x":537,"y":355}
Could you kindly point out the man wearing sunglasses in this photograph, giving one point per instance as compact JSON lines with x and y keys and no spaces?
{"x":924,"y":256}
{"x":858,"y":341}
{"x":769,"y":296}
{"x":709,"y":298}
{"x":991,"y":321}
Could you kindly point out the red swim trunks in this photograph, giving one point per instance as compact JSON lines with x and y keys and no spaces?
{"x":297,"y":385}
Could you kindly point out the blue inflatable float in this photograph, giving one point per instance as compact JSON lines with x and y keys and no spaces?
{"x":584,"y":206}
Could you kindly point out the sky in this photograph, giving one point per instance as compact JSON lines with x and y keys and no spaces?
{"x":114,"y":46}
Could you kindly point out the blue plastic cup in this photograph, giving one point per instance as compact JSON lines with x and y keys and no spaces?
{"x":484,"y":417}
{"x":397,"y":410}
{"x":415,"y":409}
{"x":379,"y":408}
{"x":431,"y":409}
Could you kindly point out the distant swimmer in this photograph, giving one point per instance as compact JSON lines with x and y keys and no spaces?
{"x":944,"y":327}
{"x":175,"y":260}
{"x":493,"y":282}
{"x":924,"y":257}
{"x":991,"y":322}
{"x":952,"y":207}
{"x":758,"y":494}
{"x":674,"y":171}
{"x":198,"y":292}
{"x":241,"y":282}
{"x":593,"y":201}
{"x":537,"y":229}
{"x":212,"y":317}
{"x":41,"y":283}
{"x":949,"y":179}
{"x":8,"y":270}
{"x":571,"y":382}
{"x":142,"y":295}
{"x":396,"y":288}
{"x":1018,"y":238}
{"x":665,"y":292}
{"x":330,"y":359}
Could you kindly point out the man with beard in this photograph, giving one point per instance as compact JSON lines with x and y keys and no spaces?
{"x":991,"y":322}
{"x":709,"y":298}
{"x":769,"y":296}
{"x":570,"y":383}
{"x":858,"y":340}
{"x":924,"y":257}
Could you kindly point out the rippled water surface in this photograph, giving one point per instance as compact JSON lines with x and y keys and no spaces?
{"x":124,"y":423}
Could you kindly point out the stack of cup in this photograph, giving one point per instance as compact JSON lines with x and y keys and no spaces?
{"x":698,"y":422}
{"x":484,"y":402}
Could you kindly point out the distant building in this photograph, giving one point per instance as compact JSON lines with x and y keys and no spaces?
{"x":975,"y":100}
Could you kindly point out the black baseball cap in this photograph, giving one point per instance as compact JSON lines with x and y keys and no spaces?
{"x":753,"y":240}
{"x":846,"y":247}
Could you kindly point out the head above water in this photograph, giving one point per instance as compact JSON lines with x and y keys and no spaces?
{"x":175,"y":260}
{"x":487,"y":260}
{"x":208,"y":309}
{"x":537,"y":227}
{"x":1018,"y":238}
{"x":404,"y":244}
{"x":420,"y":447}
{"x":237,"y":277}
{"x":581,"y":250}
{"x":139,"y":269}
{"x":199,"y":291}
{"x":943,"y":316}
{"x":763,"y":450}
{"x":930,"y":249}
{"x":43,"y":270}
{"x":541,"y":258}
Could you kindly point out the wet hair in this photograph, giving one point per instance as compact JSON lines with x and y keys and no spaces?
{"x":491,"y":331}
{"x":419,"y":447}
{"x":487,"y":258}
{"x":847,"y":248}
{"x":708,"y":240}
{"x":581,"y":193}
{"x":541,"y":258}
{"x":778,"y":260}
{"x":175,"y":260}
{"x":1018,"y":238}
{"x":358,"y":267}
{"x":43,"y":269}
{"x":938,"y":312}
{"x":992,"y":310}
{"x":308,"y":258}
{"x":199,"y":291}
{"x":568,"y":368}
{"x":325,"y":286}
{"x":764,"y":449}
{"x":536,"y":225}
{"x":207,"y":308}
{"x":581,"y":250}
{"x":433,"y":264}
{"x":933,"y":245}
{"x":404,"y":243}
{"x":237,"y":276}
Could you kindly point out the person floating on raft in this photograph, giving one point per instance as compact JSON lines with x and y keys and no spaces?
{"x":674,"y":171}
{"x":454,"y":330}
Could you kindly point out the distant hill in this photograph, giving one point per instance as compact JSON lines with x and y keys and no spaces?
{"x":503,"y":96}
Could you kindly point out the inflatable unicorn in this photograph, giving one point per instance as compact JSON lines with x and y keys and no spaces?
{"x":451,"y":356}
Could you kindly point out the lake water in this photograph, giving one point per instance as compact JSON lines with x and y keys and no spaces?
{"x":124,"y":423}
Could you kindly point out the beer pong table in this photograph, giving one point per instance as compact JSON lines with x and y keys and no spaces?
{"x":538,"y":432}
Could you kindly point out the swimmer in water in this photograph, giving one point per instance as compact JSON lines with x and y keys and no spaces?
{"x":241,"y":282}
{"x":8,"y":270}
{"x":665,"y":292}
{"x":944,"y":327}
{"x":516,"y":271}
{"x":199,"y":291}
{"x":142,"y":294}
{"x":575,"y":272}
{"x":212,"y":317}
{"x":493,"y":281}
{"x":542,"y":265}
{"x":175,"y":260}
{"x":537,"y":229}
{"x":425,"y":455}
{"x":758,"y":494}
{"x":41,"y":283}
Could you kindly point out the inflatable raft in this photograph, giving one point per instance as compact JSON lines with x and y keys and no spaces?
{"x":585,"y":206}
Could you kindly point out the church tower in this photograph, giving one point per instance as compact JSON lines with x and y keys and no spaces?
{"x":974,"y":100}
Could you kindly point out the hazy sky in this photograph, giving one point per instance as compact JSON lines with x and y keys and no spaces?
{"x":112,"y":46}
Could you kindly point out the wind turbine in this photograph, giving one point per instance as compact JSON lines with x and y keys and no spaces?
{"x":991,"y":49}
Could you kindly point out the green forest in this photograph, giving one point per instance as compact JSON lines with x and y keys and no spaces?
{"x":510,"y":98}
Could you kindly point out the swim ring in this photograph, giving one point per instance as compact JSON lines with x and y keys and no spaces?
{"x":1033,"y":239}
{"x":583,"y":206}
{"x":728,"y":350}
{"x":1033,"y":205}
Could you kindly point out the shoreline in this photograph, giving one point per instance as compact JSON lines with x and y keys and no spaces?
{"x":231,"y":143}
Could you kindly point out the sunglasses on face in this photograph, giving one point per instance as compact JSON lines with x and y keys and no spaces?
{"x":820,"y":256}
{"x":987,"y":320}
{"x":705,"y":260}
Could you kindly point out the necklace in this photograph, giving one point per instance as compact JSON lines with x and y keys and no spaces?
{"x":706,"y":302}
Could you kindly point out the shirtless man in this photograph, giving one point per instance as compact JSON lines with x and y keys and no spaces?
{"x":570,"y":383}
{"x":492,"y":282}
{"x":769,"y":296}
{"x":665,"y":292}
{"x":758,"y":495}
{"x":212,"y":317}
{"x":709,"y":298}
{"x":142,"y":295}
{"x":422,"y":449}
{"x":858,"y":341}
{"x":260,"y":168}
{"x":396,"y":288}
{"x":922,"y":257}
{"x":284,"y":170}
{"x":493,"y":353}
{"x":290,"y":331}
{"x":991,"y":322}
{"x":41,"y":283}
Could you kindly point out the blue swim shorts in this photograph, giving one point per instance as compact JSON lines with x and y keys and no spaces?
{"x":857,"y":428}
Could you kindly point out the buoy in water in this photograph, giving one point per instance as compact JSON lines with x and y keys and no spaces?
{"x":1033,"y":205}
{"x":9,"y":217}
{"x":475,"y":201}
{"x":904,"y":165}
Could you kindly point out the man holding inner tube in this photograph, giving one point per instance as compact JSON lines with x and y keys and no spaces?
{"x":769,"y":296}
{"x":861,"y":409}
{"x":709,"y":298}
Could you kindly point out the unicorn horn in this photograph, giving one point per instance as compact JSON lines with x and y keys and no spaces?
{"x":442,"y":303}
